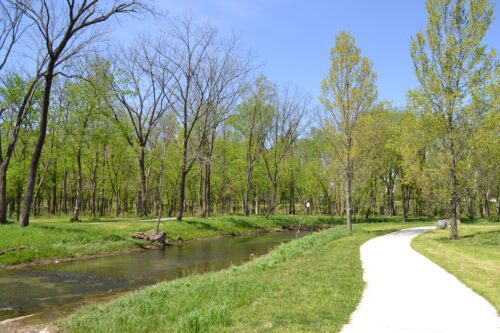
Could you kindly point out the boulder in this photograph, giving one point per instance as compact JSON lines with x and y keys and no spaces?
{"x":441,"y":224}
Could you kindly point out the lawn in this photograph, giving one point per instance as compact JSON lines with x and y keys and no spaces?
{"x":312,"y":284}
{"x":57,"y":239}
{"x":474,"y":259}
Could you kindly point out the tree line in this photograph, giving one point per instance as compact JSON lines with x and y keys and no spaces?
{"x":184,"y":124}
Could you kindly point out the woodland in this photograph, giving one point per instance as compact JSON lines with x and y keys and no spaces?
{"x":186,"y":123}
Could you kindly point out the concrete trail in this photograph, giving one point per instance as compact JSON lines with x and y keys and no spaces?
{"x":408,"y":293}
{"x":161,"y":220}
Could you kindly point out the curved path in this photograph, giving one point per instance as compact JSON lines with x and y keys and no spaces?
{"x":406,"y":292}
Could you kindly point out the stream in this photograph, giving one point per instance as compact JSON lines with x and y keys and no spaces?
{"x":56,"y":289}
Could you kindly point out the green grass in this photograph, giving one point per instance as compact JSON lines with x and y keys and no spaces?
{"x":309,"y":285}
{"x":474,"y":259}
{"x":56,"y":238}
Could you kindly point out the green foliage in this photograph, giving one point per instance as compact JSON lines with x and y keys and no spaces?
{"x":395,"y":157}
{"x":451,"y":63}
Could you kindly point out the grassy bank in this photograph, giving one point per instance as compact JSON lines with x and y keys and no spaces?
{"x":474,"y":259}
{"x":56,"y":239}
{"x":312,"y":284}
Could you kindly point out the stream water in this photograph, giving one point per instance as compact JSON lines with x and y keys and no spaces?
{"x":49,"y":290}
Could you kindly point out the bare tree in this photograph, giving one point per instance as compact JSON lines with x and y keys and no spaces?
{"x":226,"y":74}
{"x":142,"y":89}
{"x":165,"y":139}
{"x":186,"y":54}
{"x":281,"y":130}
{"x":62,"y":30}
{"x":10,"y":29}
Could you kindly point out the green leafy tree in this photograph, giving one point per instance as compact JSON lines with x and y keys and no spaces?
{"x":449,"y":59}
{"x":347,"y":92}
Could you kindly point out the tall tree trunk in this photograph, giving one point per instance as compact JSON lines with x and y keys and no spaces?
{"x":53,"y":203}
{"x":103,"y":203}
{"x":480,"y":207}
{"x":486,"y":205}
{"x":405,"y":199}
{"x":248,"y":184}
{"x":12,"y":206}
{"x":3,"y":193}
{"x":78,"y":197}
{"x":117,"y":197}
{"x":348,"y":181}
{"x":391,"y":200}
{"x":257,"y":203}
{"x":182,"y":194}
{"x":19,"y":197}
{"x":184,"y":166}
{"x":143,"y":208}
{"x":272,"y":200}
{"x":389,"y":203}
{"x":453,"y":199}
{"x":206,"y":192}
{"x":65,"y":193}
{"x":93,"y":195}
{"x":498,"y":204}
{"x":5,"y":160}
{"x":370,"y":202}
{"x":37,"y":153}
{"x":403,"y":203}
{"x":3,"y":183}
{"x":470,"y":204}
{"x":201,"y":187}
{"x":292,"y":195}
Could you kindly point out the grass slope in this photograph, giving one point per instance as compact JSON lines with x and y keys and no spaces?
{"x":51,"y":239}
{"x":309,"y":285}
{"x":474,"y":259}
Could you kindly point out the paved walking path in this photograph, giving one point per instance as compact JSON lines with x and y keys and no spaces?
{"x":162,"y":219}
{"x":407,"y":292}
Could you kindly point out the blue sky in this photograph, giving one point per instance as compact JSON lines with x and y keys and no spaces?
{"x":291,"y":39}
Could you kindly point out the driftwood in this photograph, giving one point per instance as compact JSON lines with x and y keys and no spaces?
{"x":160,"y":237}
{"x":152,"y":237}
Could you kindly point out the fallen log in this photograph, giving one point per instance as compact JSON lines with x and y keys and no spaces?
{"x":152,"y":237}
{"x":160,"y":237}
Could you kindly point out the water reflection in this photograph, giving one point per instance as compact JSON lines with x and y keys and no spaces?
{"x":45,"y":288}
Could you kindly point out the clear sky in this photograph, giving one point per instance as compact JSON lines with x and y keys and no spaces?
{"x":291,"y":39}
